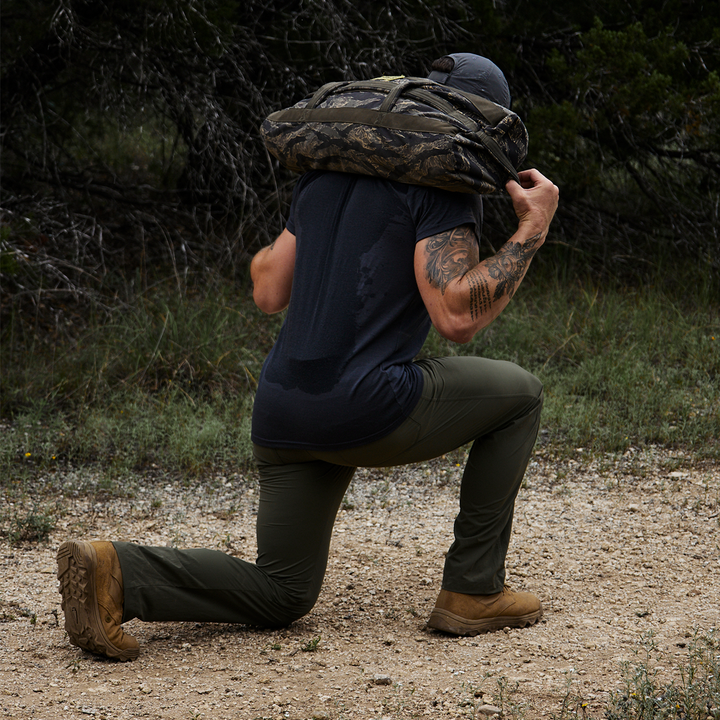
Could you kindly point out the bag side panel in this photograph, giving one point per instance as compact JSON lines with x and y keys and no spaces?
{"x":415,"y":143}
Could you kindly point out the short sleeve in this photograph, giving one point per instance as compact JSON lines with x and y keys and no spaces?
{"x":290,"y":223}
{"x":435,"y":211}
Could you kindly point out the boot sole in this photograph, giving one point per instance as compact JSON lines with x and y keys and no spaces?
{"x":77,"y":561}
{"x":454,"y":624}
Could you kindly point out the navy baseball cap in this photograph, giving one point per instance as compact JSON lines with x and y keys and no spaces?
{"x":477,"y":75}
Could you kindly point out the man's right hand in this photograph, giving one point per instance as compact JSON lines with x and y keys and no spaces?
{"x":535,"y":200}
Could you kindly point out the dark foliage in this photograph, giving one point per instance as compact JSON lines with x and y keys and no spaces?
{"x":130,"y":138}
{"x":129,"y":128}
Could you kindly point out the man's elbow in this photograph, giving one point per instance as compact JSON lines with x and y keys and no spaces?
{"x":457,"y":330}
{"x":459,"y":338}
{"x":268,"y":302}
{"x":462,"y":327}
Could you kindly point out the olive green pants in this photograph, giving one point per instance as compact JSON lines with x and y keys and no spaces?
{"x":492,"y":404}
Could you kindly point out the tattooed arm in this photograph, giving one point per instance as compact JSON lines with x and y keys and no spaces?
{"x":463,"y":295}
{"x":272,"y":271}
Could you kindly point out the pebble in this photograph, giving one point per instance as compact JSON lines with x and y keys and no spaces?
{"x":488,"y":710}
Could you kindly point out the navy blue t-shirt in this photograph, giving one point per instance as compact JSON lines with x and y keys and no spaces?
{"x":341,"y":373}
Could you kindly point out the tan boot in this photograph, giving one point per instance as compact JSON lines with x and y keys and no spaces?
{"x":92,"y":599}
{"x":472,"y":614}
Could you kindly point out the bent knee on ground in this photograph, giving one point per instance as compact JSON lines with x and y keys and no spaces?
{"x":291,"y":605}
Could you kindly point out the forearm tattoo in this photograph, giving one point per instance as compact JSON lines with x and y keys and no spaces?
{"x":509,"y":265}
{"x":479,"y":294}
{"x":454,"y":255}
{"x":450,"y":255}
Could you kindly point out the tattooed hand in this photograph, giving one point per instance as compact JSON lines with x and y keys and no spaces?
{"x":535,"y":200}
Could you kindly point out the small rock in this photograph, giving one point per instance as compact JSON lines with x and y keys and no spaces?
{"x":488,"y":710}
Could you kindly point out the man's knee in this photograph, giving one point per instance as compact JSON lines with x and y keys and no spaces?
{"x":521,"y":378}
{"x":524,"y":386}
{"x":292,"y":604}
{"x":536,"y":394}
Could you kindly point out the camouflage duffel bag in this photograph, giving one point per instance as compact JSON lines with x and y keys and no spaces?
{"x":408,"y":129}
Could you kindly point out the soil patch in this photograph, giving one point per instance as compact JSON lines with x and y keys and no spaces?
{"x":616,"y":548}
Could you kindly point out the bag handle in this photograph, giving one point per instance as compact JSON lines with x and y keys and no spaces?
{"x":399,"y":88}
{"x":322,"y":92}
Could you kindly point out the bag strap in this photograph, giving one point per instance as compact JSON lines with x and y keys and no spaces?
{"x":418,"y":89}
{"x":498,"y":153}
{"x":399,"y":89}
{"x":328,"y":89}
{"x":411,"y":89}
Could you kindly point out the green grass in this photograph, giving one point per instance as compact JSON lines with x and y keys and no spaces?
{"x":620,"y":367}
{"x":168,"y":378}
{"x":28,"y":526}
{"x":693,"y":693}
{"x":165,"y":381}
{"x":689,"y":690}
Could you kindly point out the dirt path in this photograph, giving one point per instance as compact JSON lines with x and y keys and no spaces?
{"x":615,"y":549}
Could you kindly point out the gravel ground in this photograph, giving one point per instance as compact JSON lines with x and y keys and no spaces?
{"x":615,"y":547}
